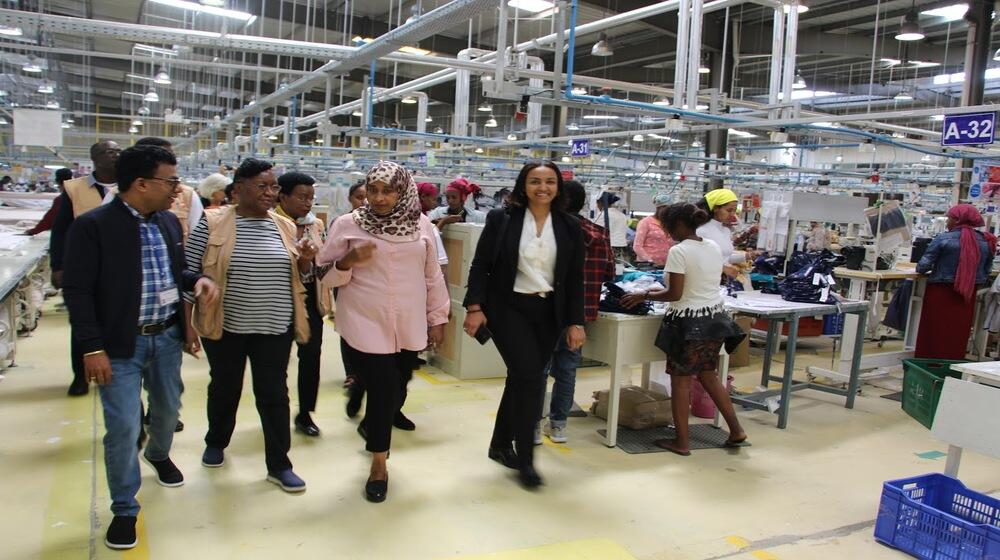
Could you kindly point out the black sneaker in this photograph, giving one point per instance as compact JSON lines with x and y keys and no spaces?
{"x":179,"y":427}
{"x":213,"y":457}
{"x":121,"y":533}
{"x":167,"y":473}
{"x":403,"y":423}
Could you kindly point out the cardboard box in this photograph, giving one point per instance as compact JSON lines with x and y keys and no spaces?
{"x":638,"y":408}
{"x":741,"y":356}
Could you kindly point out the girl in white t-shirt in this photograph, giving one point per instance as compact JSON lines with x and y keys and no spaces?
{"x":695,"y":326}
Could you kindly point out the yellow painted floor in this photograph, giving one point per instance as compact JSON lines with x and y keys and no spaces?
{"x":808,"y":492}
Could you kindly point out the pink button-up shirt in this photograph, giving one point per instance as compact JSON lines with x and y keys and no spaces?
{"x":651,"y":242}
{"x":385,"y":305}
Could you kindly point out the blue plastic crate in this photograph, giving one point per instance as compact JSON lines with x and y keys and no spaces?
{"x":833,"y":324}
{"x":937,"y":518}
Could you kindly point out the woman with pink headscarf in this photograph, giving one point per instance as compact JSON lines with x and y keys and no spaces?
{"x":956,"y":261}
{"x":456,"y":194}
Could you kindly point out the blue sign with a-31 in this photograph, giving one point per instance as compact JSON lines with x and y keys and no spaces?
{"x":974,"y":128}
{"x":581,"y":148}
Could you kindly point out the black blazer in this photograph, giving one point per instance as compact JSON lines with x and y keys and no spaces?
{"x":102,"y":278}
{"x":494,"y":268}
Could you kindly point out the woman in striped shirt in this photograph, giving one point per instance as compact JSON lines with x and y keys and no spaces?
{"x":254,"y":256}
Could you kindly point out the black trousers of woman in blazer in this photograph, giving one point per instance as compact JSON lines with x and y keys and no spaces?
{"x":525,"y":327}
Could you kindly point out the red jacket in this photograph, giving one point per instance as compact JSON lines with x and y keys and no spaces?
{"x":47,"y":220}
{"x":598,"y":266}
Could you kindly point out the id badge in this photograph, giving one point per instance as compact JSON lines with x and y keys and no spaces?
{"x":169,"y":296}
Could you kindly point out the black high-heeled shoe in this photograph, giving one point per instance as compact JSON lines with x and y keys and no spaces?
{"x":376,"y":490}
{"x":530,"y":478}
{"x":505,"y":456}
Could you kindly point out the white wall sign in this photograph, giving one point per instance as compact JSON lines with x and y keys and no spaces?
{"x":35,"y":127}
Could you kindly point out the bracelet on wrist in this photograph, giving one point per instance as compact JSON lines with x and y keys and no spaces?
{"x":473,"y":310}
{"x":94,"y":353}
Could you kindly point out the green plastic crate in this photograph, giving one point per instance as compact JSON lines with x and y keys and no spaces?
{"x":922,"y":383}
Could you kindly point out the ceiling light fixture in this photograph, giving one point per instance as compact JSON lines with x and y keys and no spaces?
{"x":479,"y":150}
{"x":70,"y":120}
{"x":414,"y":14}
{"x":572,"y":126}
{"x":272,"y":137}
{"x":638,"y":138}
{"x":903,"y":95}
{"x":151,"y":96}
{"x":408,"y":100}
{"x":602,"y":47}
{"x":533,"y":6}
{"x":663,"y":101}
{"x":566,"y":159}
{"x":53,"y":104}
{"x":578,"y":90}
{"x":3,"y":120}
{"x":428,"y":118}
{"x":910,"y":30}
{"x":439,"y":130}
{"x":788,"y":144}
{"x":132,"y":130}
{"x":839,"y":158}
{"x":801,"y":7}
{"x":357,"y":113}
{"x":45,"y":87}
{"x":702,"y":69}
{"x":512,"y":137}
{"x":800,"y":82}
{"x":601,"y":117}
{"x":162,"y":77}
{"x":137,"y":122}
{"x":31,"y":66}
{"x":485,"y":107}
{"x":143,"y":110}
{"x":996,"y":55}
{"x":11,"y":31}
{"x":696,"y":144}
{"x":951,"y":13}
{"x":212,"y":10}
{"x":492,"y":123}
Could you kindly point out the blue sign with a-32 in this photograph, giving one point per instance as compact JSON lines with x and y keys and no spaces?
{"x":581,"y":148}
{"x":973,"y":128}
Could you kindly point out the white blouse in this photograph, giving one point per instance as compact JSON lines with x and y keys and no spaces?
{"x":723,"y":237}
{"x":536,"y":261}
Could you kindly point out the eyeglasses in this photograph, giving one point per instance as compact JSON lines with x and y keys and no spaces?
{"x":173,"y":182}
{"x":305,"y":199}
{"x":273,"y":189}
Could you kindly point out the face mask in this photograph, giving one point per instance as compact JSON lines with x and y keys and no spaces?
{"x":306,"y":220}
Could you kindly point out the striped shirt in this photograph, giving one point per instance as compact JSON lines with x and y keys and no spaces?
{"x":258,"y":296}
{"x":156,"y":273}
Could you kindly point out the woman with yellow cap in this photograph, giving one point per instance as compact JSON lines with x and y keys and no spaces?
{"x":721,"y":205}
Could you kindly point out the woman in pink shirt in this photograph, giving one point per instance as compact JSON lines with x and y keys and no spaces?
{"x":392,"y":299}
{"x":652,"y":242}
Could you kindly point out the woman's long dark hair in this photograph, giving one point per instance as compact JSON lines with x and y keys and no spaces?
{"x":519,"y":196}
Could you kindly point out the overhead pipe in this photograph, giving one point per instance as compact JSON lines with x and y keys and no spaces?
{"x":777,"y":49}
{"x":791,"y":47}
{"x":694,"y":54}
{"x":431,"y":23}
{"x":683,"y":42}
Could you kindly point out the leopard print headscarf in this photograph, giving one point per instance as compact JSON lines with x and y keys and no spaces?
{"x":402,"y":223}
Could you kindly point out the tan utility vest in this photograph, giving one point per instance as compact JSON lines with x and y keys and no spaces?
{"x":81,"y":195}
{"x":180,"y":208}
{"x":207,"y":320}
{"x":317,"y":233}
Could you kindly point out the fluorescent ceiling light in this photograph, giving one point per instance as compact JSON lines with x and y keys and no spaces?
{"x":742,"y":133}
{"x":891,"y":61}
{"x":807,"y":94}
{"x":942,"y":79}
{"x":938,"y":118}
{"x":598,"y":141}
{"x":138,"y":77}
{"x":414,"y":50}
{"x":601,"y":117}
{"x":45,"y":87}
{"x":11,"y":31}
{"x":213,"y":10}
{"x":954,"y":12}
{"x":533,"y":6}
{"x":408,"y":99}
{"x":702,"y":69}
{"x":801,"y":8}
{"x":31,"y":66}
{"x":788,"y":144}
{"x":155,"y":50}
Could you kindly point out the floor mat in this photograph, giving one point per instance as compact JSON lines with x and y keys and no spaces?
{"x":703,"y":436}
{"x":898,"y":397}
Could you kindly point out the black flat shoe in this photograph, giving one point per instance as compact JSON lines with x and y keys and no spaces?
{"x":304,"y":424}
{"x":78,"y":387}
{"x":505,"y":456}
{"x":403,"y":423}
{"x":355,"y":396}
{"x":530,"y":478}
{"x":376,"y":490}
{"x":179,"y":427}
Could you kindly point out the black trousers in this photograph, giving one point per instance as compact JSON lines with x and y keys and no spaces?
{"x":384,"y":377}
{"x":309,"y":353}
{"x":525,"y":333}
{"x":357,"y":391}
{"x":268,"y":355}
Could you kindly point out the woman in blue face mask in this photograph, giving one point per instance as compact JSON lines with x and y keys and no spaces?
{"x":295,"y":200}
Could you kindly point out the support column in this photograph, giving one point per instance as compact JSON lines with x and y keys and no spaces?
{"x":558,"y":129}
{"x":717,"y":141}
{"x":977,"y":56}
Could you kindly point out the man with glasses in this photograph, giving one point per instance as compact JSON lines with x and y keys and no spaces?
{"x":124,"y":274}
{"x":295,"y":200}
{"x":80,"y":195}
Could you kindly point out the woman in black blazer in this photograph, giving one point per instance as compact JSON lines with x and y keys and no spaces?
{"x":526,"y":282}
